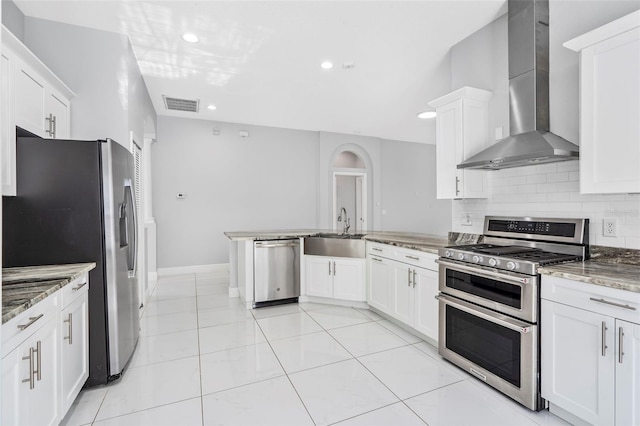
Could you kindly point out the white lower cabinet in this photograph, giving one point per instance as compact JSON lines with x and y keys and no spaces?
{"x":30,"y":375}
{"x":74,"y":343}
{"x":405,"y":291}
{"x":45,"y":357}
{"x":590,"y":359}
{"x":380,"y":292}
{"x":335,"y":277}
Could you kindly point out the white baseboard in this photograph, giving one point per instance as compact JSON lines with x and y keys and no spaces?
{"x":195,"y":269}
{"x":234,"y":292}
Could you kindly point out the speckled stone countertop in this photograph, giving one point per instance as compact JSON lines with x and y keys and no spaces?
{"x":274,"y":234}
{"x":411,"y":240}
{"x":609,"y":267}
{"x":422,"y":242}
{"x":23,"y":287}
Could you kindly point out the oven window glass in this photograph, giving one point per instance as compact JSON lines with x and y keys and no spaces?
{"x":486,"y":288}
{"x":488,"y":345}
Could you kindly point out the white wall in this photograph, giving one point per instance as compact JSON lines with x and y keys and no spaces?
{"x":275,"y":179}
{"x":550,"y":190}
{"x":409,"y":190}
{"x":13,"y":19}
{"x":265,"y":181}
{"x":100,"y":68}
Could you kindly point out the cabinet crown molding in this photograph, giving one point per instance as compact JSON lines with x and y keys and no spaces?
{"x":10,"y":41}
{"x":465,"y":92}
{"x":626,"y":23}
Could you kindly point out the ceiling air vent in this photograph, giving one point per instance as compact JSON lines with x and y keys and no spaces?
{"x":176,"y":104}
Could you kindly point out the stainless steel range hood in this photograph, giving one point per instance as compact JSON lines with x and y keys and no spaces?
{"x":530,"y":141}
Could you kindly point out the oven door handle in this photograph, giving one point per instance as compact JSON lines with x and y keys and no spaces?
{"x":483,"y":272}
{"x":486,"y":314}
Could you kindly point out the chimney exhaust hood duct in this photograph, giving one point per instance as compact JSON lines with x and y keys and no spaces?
{"x":530,"y":141}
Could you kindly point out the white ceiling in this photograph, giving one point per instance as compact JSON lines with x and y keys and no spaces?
{"x":258,"y":61}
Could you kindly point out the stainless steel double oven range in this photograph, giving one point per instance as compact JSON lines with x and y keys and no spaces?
{"x":489,"y":301}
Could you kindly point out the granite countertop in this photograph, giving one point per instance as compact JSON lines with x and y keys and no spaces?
{"x":609,"y":266}
{"x":277,"y":234}
{"x":600,"y":272}
{"x":411,"y":240}
{"x":23,"y":287}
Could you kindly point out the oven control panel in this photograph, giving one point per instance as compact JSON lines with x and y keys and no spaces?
{"x":497,"y":262}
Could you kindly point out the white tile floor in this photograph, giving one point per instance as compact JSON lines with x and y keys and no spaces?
{"x":203,"y":359}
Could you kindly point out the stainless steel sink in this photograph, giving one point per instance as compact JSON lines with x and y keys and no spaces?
{"x":335,"y":246}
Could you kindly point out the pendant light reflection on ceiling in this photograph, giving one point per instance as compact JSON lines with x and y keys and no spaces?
{"x":190,"y":37}
{"x":427,"y":114}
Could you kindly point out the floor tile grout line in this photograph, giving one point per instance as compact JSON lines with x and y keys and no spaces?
{"x":287,"y":375}
{"x":144,"y":409}
{"x":199,"y":357}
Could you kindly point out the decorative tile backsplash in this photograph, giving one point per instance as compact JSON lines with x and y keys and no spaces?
{"x":552,"y":190}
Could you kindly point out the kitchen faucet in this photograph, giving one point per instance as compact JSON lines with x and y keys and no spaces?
{"x":347,"y":221}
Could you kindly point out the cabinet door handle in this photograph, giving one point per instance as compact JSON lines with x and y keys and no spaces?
{"x":329,"y":267}
{"x":334,"y":269}
{"x":39,"y":363}
{"x":414,"y":278}
{"x":619,"y":305}
{"x":54,"y":127}
{"x":457,"y":182}
{"x":412,"y":257}
{"x":31,"y":321}
{"x":604,"y":338}
{"x":49,"y":120}
{"x":620,"y":344}
{"x":409,"y":278}
{"x":30,"y":380}
{"x":70,"y":321}
{"x":376,"y":249}
{"x":376,"y":259}
{"x":78,"y":287}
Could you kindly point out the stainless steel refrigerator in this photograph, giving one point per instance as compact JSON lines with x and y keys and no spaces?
{"x":75,"y":203}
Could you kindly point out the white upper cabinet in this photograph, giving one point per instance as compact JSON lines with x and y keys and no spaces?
{"x":33,"y":98}
{"x":461,"y":131}
{"x":610,"y":106}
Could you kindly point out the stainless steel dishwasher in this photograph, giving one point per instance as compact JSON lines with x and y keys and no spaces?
{"x":276,"y":272}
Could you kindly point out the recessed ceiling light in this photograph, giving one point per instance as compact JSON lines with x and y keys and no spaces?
{"x":326,"y":65}
{"x":427,"y":114}
{"x":211,"y":107}
{"x":190,"y":37}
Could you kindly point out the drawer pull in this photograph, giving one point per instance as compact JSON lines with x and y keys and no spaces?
{"x":31,"y":321}
{"x":376,"y":249}
{"x":412,"y":257}
{"x":78,"y":287}
{"x":619,"y":305}
{"x":376,"y":259}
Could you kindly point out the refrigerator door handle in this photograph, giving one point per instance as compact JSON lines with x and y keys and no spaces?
{"x":129,"y":225}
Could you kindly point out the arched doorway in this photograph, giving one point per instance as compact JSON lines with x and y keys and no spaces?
{"x":349,"y":194}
